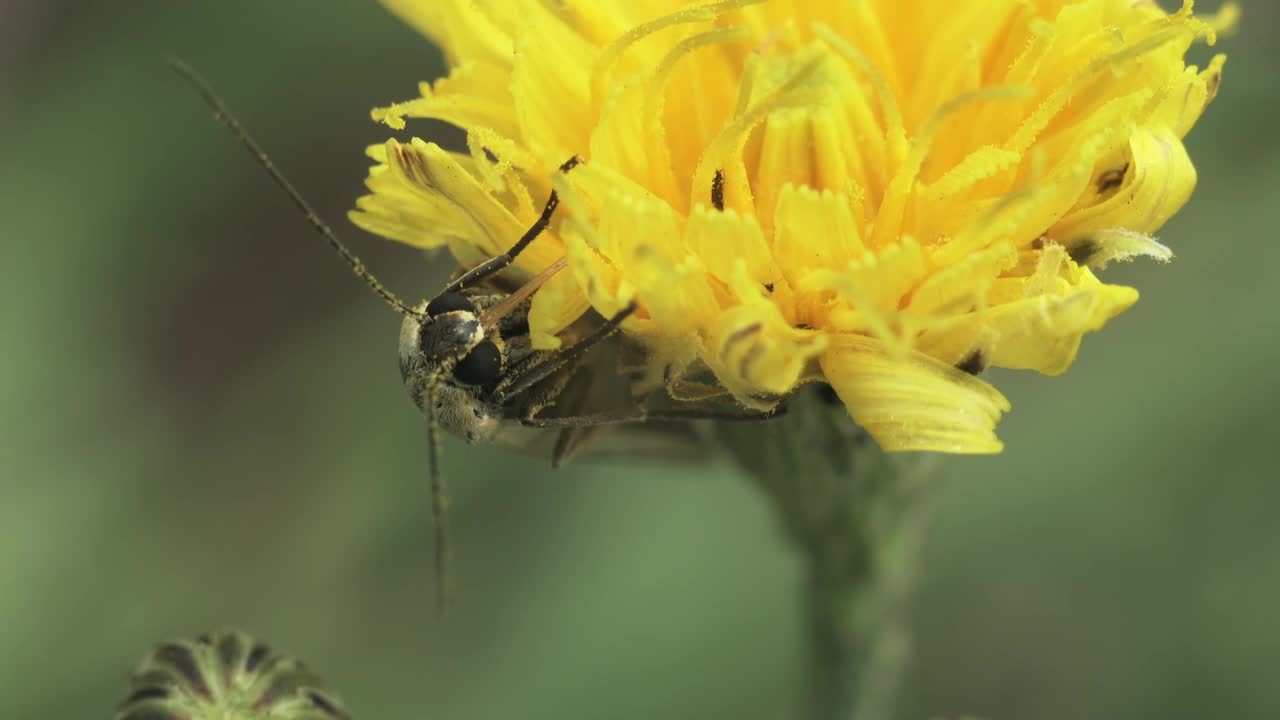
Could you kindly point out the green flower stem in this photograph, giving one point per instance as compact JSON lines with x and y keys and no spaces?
{"x":858,"y":517}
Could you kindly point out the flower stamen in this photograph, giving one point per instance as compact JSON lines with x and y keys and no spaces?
{"x":614,"y":50}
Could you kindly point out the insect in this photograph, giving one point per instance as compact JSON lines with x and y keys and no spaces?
{"x":466,"y":358}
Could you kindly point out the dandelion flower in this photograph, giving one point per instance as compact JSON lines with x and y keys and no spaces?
{"x":888,"y":197}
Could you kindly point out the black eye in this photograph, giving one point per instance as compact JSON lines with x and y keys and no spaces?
{"x":481,"y":366}
{"x":449,"y":302}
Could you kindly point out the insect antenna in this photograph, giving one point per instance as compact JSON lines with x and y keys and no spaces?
{"x":226,"y":118}
{"x":439,"y":500}
{"x":439,"y":496}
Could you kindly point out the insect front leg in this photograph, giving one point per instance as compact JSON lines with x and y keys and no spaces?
{"x":572,"y":401}
{"x":639,"y":413}
{"x":521,"y":379}
{"x":498,"y":262}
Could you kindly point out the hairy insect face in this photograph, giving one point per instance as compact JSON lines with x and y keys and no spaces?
{"x":450,"y":332}
{"x":447,"y":341}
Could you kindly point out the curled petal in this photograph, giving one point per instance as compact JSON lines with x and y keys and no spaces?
{"x":423,"y":196}
{"x":1041,"y":331}
{"x":916,"y":404}
{"x":754,"y":350}
{"x":1155,"y":183}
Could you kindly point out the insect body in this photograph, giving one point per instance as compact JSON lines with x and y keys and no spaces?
{"x":462,"y":371}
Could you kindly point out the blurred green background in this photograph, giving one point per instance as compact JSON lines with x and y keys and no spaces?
{"x":203,"y":424}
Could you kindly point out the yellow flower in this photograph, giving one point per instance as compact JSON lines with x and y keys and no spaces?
{"x":885,"y":195}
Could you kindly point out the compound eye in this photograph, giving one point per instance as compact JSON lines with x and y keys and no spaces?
{"x":481,"y":366}
{"x":449,"y":302}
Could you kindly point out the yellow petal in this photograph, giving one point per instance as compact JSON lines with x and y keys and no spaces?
{"x":1099,"y":249}
{"x":1189,"y":97}
{"x":1042,"y":331}
{"x":813,"y":231}
{"x":1157,"y":183}
{"x":754,"y":351}
{"x":719,"y":239}
{"x":463,"y":99}
{"x":423,"y":196}
{"x":553,"y":107}
{"x":916,"y":404}
{"x":555,"y":307}
{"x":461,"y":29}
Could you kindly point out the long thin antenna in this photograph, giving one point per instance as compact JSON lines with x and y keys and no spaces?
{"x":439,"y":501}
{"x":226,"y":118}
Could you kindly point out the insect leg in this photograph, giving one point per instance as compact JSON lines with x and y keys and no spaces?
{"x":693,"y":391}
{"x":439,"y":501}
{"x":498,"y":262}
{"x":608,"y":417}
{"x":533,"y":375}
{"x":642,"y":414}
{"x":572,"y":399}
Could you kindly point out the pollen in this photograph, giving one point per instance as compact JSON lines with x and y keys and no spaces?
{"x":885,"y":196}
